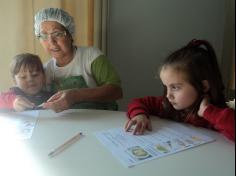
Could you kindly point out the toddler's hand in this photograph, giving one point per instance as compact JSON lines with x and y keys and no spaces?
{"x":21,"y":104}
{"x":203,"y":105}
{"x":141,"y":123}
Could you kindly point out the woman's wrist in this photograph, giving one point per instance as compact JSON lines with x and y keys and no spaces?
{"x":75,"y":96}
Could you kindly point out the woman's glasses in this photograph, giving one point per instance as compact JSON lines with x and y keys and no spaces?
{"x":54,"y":36}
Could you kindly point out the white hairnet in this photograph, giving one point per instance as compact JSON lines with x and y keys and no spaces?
{"x":53,"y":14}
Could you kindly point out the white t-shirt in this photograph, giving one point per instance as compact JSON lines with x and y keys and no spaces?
{"x":80,"y":65}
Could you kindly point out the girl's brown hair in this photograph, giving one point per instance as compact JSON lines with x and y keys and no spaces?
{"x":26,"y":61}
{"x":198,"y":62}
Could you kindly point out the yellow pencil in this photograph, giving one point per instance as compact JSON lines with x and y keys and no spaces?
{"x":66,"y":144}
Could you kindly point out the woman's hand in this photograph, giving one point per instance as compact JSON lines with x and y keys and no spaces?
{"x":141,"y":123}
{"x":203,"y":105}
{"x":21,"y":104}
{"x":61,"y":101}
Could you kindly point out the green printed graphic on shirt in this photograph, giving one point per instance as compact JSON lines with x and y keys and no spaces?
{"x":79,"y":82}
{"x":68,"y":83}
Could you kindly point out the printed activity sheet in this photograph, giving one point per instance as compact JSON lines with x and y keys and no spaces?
{"x":165,"y":140}
{"x":18,"y":125}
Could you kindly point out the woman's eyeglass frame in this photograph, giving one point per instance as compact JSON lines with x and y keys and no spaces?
{"x":54,"y":35}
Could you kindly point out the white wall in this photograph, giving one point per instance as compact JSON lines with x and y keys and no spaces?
{"x":143,"y":32}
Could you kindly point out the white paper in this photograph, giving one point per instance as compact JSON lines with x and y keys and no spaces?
{"x":165,"y":140}
{"x":18,"y":125}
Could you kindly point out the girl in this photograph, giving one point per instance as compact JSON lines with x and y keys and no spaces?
{"x":28,"y":75}
{"x":193,"y":93}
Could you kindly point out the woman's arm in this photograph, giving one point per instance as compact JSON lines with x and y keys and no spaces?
{"x":62,"y":100}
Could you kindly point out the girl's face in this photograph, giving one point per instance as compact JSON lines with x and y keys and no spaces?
{"x":30,"y":81}
{"x":180,"y":93}
{"x":56,"y":42}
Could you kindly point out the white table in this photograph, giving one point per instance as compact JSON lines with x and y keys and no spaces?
{"x":88,"y":157}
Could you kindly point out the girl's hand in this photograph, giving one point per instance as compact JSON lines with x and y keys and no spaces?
{"x":21,"y":104}
{"x":61,"y":101}
{"x":203,"y":105}
{"x":141,"y":123}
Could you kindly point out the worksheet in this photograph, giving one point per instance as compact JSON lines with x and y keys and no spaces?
{"x":165,"y":140}
{"x":18,"y":125}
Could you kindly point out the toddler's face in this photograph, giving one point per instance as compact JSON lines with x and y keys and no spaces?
{"x":180,"y":93}
{"x":30,"y":81}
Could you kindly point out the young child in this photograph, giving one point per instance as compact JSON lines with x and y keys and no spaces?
{"x":29,"y":78}
{"x":193,"y":93}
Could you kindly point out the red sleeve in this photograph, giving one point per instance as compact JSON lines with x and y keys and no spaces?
{"x":223,"y":120}
{"x":7,"y":99}
{"x":145,"y":105}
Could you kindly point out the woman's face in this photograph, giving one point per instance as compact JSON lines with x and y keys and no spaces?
{"x":180,"y":93}
{"x":30,"y":81}
{"x":56,"y":42}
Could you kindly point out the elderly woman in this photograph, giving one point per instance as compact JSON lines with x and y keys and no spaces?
{"x":81,"y":77}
